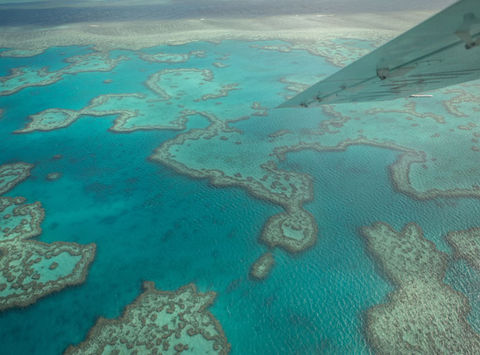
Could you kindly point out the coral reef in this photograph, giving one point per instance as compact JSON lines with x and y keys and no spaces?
{"x":171,"y":58}
{"x":19,"y":221}
{"x":159,"y":322}
{"x":220,"y":65}
{"x":262,"y":267}
{"x":31,"y":269}
{"x":423,"y":314}
{"x":53,"y":176}
{"x":295,"y":229}
{"x":430,"y":135}
{"x":24,"y":77}
{"x":136,"y":34}
{"x":13,"y":174}
{"x":169,"y":92}
{"x":466,"y":245}
{"x":337,"y":51}
{"x":20,"y":53}
{"x":421,"y":132}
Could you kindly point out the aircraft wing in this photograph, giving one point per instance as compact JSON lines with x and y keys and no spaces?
{"x":442,"y":51}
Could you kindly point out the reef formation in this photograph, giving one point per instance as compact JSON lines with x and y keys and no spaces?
{"x":30,"y":269}
{"x":170,"y":92}
{"x":170,"y":58}
{"x":53,"y":176}
{"x":24,"y":77}
{"x":337,"y":51}
{"x":466,"y":245}
{"x":295,"y":229}
{"x":262,"y":267}
{"x":428,"y":136}
{"x":159,"y":322}
{"x":423,"y":314}
{"x":13,"y":174}
{"x":162,"y":107}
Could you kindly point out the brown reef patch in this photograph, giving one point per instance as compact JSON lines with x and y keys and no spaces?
{"x":262,"y":266}
{"x":423,"y":314}
{"x":30,"y":269}
{"x":158,"y":322}
{"x":13,"y":174}
{"x":466,"y":245}
{"x":53,"y":176}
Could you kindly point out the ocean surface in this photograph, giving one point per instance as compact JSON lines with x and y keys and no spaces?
{"x":152,"y":221}
{"x":42,"y":13}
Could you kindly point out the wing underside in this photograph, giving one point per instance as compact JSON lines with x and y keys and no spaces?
{"x":444,"y":50}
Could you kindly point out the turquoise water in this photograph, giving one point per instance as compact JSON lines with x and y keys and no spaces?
{"x":152,"y":223}
{"x":148,"y":223}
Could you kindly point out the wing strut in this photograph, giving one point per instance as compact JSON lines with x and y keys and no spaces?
{"x":442,"y":51}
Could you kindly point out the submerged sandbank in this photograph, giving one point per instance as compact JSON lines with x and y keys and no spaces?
{"x":141,"y":34}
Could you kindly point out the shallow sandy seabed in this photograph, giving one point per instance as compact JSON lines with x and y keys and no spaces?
{"x":142,"y":34}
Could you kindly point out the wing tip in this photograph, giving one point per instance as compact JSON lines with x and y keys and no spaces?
{"x":292,"y":103}
{"x":286,"y":104}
